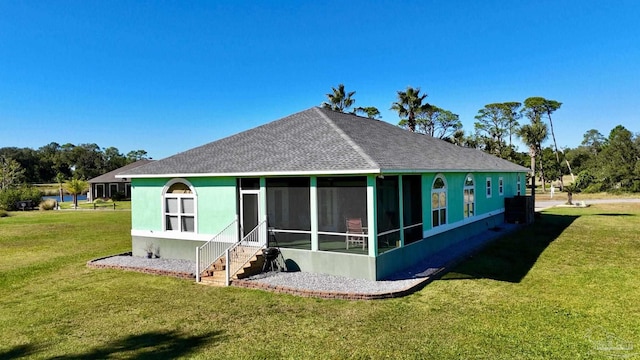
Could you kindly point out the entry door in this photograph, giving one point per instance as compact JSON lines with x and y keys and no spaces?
{"x":249,"y":205}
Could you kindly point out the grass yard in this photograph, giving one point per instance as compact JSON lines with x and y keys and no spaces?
{"x":567,"y":288}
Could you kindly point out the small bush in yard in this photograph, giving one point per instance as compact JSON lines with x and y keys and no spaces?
{"x":3,"y":214}
{"x":48,"y":204}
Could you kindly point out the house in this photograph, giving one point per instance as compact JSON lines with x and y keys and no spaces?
{"x":340,"y":194}
{"x":108,"y":185}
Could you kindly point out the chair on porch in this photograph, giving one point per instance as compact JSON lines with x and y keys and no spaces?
{"x":356,"y":233}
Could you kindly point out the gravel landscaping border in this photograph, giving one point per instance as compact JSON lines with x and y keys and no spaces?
{"x":323,"y":286}
{"x":182,"y":269}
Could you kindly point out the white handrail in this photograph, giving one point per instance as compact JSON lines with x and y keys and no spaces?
{"x":238,"y":255}
{"x":215,"y":248}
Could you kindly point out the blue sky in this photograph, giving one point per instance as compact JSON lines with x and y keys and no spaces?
{"x":166,"y":76}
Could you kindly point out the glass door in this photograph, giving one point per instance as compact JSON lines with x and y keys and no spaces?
{"x":249,"y":205}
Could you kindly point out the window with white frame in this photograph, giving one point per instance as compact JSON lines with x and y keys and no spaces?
{"x":438,"y":201}
{"x":501,"y":186}
{"x":179,"y":203}
{"x":488,"y":187}
{"x":518,"y":185}
{"x":469,"y":197}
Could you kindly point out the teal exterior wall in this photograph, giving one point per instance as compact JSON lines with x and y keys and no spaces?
{"x":146,"y":204}
{"x":217,"y":207}
{"x":216,"y":199}
{"x":168,"y":248}
{"x":405,"y":257}
{"x":333,"y":263}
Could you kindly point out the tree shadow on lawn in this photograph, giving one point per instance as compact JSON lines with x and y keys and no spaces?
{"x":511,"y":257}
{"x":18,"y":352}
{"x":150,"y":345}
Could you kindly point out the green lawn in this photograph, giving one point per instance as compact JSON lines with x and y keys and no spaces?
{"x":564,"y":289}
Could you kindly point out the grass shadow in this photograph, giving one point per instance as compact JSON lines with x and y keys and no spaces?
{"x":150,"y":345}
{"x":18,"y":352}
{"x":511,"y":257}
{"x":614,"y":214}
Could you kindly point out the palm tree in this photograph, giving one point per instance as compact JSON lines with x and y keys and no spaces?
{"x":75,"y":187}
{"x":59,"y":180}
{"x":339,"y":100}
{"x":410,"y":104}
{"x":533,"y":135}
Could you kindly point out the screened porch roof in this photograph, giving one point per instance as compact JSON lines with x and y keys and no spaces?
{"x":322,"y":141}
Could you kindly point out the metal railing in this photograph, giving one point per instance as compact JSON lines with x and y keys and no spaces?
{"x":238,"y":255}
{"x":215,"y":248}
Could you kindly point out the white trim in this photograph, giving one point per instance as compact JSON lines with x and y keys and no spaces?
{"x":488,"y":187}
{"x":389,"y":232}
{"x":465,"y":187}
{"x":111,"y":185}
{"x":501,"y":186}
{"x":327,"y":172}
{"x":172,"y":235}
{"x":290,"y":231}
{"x":411,"y":226}
{"x":179,"y":197}
{"x":257,"y":174}
{"x":446,"y":227}
{"x":444,"y":190}
{"x":338,"y":234}
{"x":104,"y":194}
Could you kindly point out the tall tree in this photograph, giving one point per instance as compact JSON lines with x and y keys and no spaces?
{"x":620,"y":159}
{"x":112,"y":159}
{"x":11,"y":172}
{"x":593,"y":140}
{"x":339,"y":99}
{"x":135,"y":155}
{"x":371,"y":112}
{"x":511,"y":113}
{"x":409,"y":104}
{"x":539,"y":106}
{"x":446,"y":125}
{"x":491,"y":125}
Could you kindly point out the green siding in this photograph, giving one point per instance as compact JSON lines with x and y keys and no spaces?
{"x":217,"y":204}
{"x":146,"y":204}
{"x":216,"y":199}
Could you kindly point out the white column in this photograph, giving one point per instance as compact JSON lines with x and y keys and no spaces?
{"x":372,"y":222}
{"x":401,"y":210}
{"x":313,"y":203}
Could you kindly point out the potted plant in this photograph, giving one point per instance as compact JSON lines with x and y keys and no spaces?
{"x":149,"y":249}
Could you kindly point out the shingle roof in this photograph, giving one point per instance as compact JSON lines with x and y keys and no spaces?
{"x":322,"y":141}
{"x":110,"y":177}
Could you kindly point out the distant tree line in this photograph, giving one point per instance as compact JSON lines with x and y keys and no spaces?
{"x":601,"y":163}
{"x":55,"y":163}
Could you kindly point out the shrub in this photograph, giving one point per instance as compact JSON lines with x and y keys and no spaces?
{"x":48,"y":204}
{"x":119,"y":196}
{"x":3,"y":214}
{"x":9,"y":197}
{"x":593,"y":188}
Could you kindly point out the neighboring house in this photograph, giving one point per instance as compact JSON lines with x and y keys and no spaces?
{"x":106,"y":185}
{"x":341,"y":194}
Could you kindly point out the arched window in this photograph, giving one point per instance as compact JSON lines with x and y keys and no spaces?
{"x":179,"y":206}
{"x":469,"y":196}
{"x":439,"y":201}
